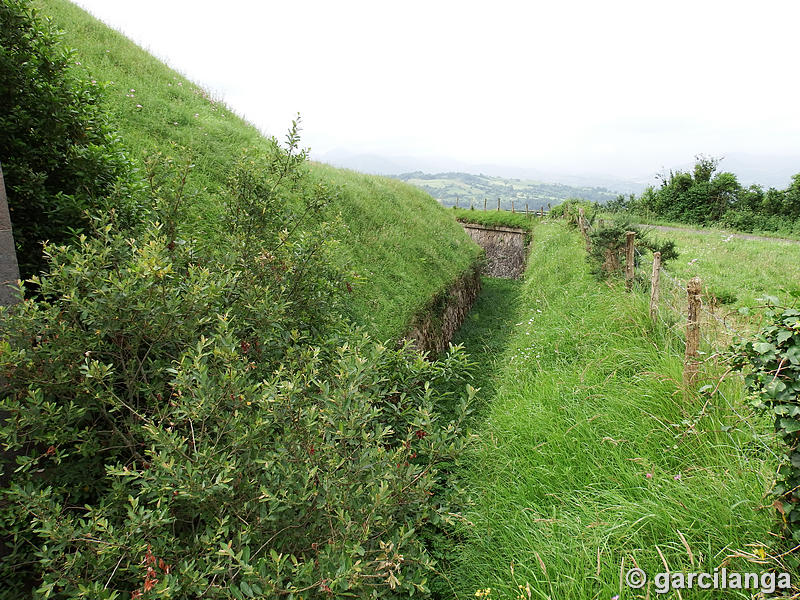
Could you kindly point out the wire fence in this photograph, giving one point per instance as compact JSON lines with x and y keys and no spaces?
{"x":714,"y":325}
{"x":536,"y":209}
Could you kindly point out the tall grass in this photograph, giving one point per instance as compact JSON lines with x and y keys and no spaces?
{"x":738,"y":271}
{"x":593,"y":460}
{"x":400,"y":244}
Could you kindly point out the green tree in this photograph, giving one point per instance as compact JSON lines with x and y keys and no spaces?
{"x":704,"y":167}
{"x":59,"y":153}
{"x":724,"y":191}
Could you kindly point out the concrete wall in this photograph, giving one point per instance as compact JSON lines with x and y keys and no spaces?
{"x":433,"y":329}
{"x":9,"y":269}
{"x":506,"y":249}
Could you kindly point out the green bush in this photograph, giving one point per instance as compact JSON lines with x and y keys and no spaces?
{"x":608,"y":241}
{"x":59,"y":154}
{"x":773,"y":363}
{"x":570,"y":209}
{"x":181,"y":424}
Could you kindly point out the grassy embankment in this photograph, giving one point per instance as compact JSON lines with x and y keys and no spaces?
{"x":389,"y":225}
{"x":503,"y":218}
{"x":591,"y":459}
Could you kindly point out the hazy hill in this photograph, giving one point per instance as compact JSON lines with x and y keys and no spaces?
{"x":473,"y":189}
{"x":392,"y":165}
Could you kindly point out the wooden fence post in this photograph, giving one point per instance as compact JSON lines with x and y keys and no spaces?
{"x":630,"y":237}
{"x":484,"y":204}
{"x":655,"y":280}
{"x":498,"y":204}
{"x":456,"y":201}
{"x":9,"y":268}
{"x":526,"y":211}
{"x":691,"y":364}
{"x":512,"y":206}
{"x":582,"y":227}
{"x":541,"y":212}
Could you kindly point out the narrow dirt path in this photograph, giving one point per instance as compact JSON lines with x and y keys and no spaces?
{"x":740,"y":236}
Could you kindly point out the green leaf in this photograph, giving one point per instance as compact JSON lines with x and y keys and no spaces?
{"x":774,"y":388}
{"x":790,"y":425}
{"x":793,"y":354}
{"x":763,"y":347}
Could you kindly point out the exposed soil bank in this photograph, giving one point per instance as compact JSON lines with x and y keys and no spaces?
{"x":435,"y":326}
{"x":506,"y":248}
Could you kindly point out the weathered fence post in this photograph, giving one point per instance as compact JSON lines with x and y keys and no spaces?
{"x":526,"y":211}
{"x":541,"y":212}
{"x":484,"y":204}
{"x":456,"y":201}
{"x":691,"y":364}
{"x":512,"y":206}
{"x":9,"y":268}
{"x":630,"y":237}
{"x":582,"y":227}
{"x":655,"y":281}
{"x":498,"y":204}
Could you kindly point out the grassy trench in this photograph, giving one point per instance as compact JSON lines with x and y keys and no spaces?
{"x":591,"y":460}
{"x":485,"y":333}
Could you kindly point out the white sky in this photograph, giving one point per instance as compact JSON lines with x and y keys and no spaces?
{"x":615,"y":86}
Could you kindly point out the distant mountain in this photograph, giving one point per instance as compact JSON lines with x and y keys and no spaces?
{"x":397,"y":165}
{"x":468,"y":190}
{"x":765,"y":170}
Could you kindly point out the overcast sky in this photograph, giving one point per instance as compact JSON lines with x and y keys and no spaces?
{"x":620,"y":87}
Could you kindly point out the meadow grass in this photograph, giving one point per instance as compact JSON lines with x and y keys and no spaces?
{"x":709,"y":228}
{"x":402,"y":246}
{"x":592,"y":459}
{"x":737,"y":271}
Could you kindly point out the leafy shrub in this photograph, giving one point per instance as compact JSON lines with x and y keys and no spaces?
{"x":773,"y":359}
{"x":59,"y":154}
{"x":570,"y":209}
{"x":608,"y":241}
{"x":181,"y":424}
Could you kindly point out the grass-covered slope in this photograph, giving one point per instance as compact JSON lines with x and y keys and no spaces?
{"x":592,"y":460}
{"x":403,"y":246}
{"x":502,"y":218}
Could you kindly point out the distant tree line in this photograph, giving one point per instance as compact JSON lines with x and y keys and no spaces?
{"x":707,"y":196}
